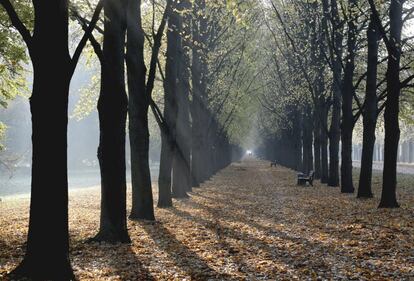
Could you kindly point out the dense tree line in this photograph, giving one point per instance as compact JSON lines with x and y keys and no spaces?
{"x":118,"y":39}
{"x":290,"y":78}
{"x":344,"y":61}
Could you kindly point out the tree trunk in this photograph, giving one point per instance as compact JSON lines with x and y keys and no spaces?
{"x":112,"y":109}
{"x":142,"y":200}
{"x":297,"y":142}
{"x":170,"y":106}
{"x":307,"y":142}
{"x":347,"y":185}
{"x":181,"y":165}
{"x":317,"y":141}
{"x":324,"y":142}
{"x":47,"y":251}
{"x":392,"y":128}
{"x":369,"y":113}
{"x":335,"y":131}
{"x":198,"y":97}
{"x":334,"y":134}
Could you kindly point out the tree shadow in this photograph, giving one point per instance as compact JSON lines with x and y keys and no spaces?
{"x":182,"y":255}
{"x":278,"y":254}
{"x":307,"y":245}
{"x":120,"y":258}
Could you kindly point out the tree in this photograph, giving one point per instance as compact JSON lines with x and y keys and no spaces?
{"x":168,"y":141}
{"x":47,"y":252}
{"x":348,"y":93}
{"x":392,"y":128}
{"x":336,"y":60}
{"x":112,"y":108}
{"x":199,"y":99}
{"x":370,"y":112}
{"x":181,"y":181}
{"x":139,"y":100}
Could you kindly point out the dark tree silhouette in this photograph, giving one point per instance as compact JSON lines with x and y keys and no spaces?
{"x":348,"y":92}
{"x":112,"y":108}
{"x":182,"y":160}
{"x":392,"y":127}
{"x":336,"y":58}
{"x":139,"y":100}
{"x":47,"y":250}
{"x":168,"y":147}
{"x":199,"y":100}
{"x":369,"y":113}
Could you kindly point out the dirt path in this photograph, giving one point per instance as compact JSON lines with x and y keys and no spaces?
{"x":250,"y":222}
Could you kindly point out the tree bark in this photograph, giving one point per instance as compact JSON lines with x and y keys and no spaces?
{"x":369,"y":114}
{"x":348,"y":91}
{"x":47,"y":252}
{"x":317,"y":141}
{"x":168,"y":147}
{"x":181,"y":165}
{"x":335,"y":131}
{"x":142,"y":199}
{"x":307,"y":141}
{"x":392,"y":128}
{"x":324,"y":143}
{"x":199,"y":102}
{"x":195,"y":109}
{"x":112,"y":109}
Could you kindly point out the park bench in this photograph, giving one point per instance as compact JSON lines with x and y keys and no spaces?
{"x":273,"y":163}
{"x":303,"y":178}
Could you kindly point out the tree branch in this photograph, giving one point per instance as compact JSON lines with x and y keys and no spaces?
{"x":95,"y":44}
{"x":17,"y":23}
{"x":380,"y":26}
{"x":86,"y":35}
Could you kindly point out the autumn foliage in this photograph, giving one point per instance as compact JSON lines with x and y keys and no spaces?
{"x":249,"y":222}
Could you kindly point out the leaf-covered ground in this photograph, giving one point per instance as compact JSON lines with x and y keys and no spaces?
{"x":250,"y":222}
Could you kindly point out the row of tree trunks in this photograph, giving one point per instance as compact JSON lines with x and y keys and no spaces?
{"x":47,"y":254}
{"x":286,"y":148}
{"x":340,"y":106}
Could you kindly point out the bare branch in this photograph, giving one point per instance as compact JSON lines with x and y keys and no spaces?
{"x":86,"y":35}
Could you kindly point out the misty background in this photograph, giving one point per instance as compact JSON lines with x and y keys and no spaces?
{"x":83,"y":140}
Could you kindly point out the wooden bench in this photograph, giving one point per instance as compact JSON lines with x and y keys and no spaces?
{"x":302,"y":178}
{"x":273,"y":163}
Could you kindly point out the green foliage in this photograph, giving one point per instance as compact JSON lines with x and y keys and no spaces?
{"x":3,"y":128}
{"x":13,"y":57}
{"x":13,"y":54}
{"x":88,"y":99}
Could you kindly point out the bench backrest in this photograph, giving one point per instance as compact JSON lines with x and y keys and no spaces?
{"x":311,"y":174}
